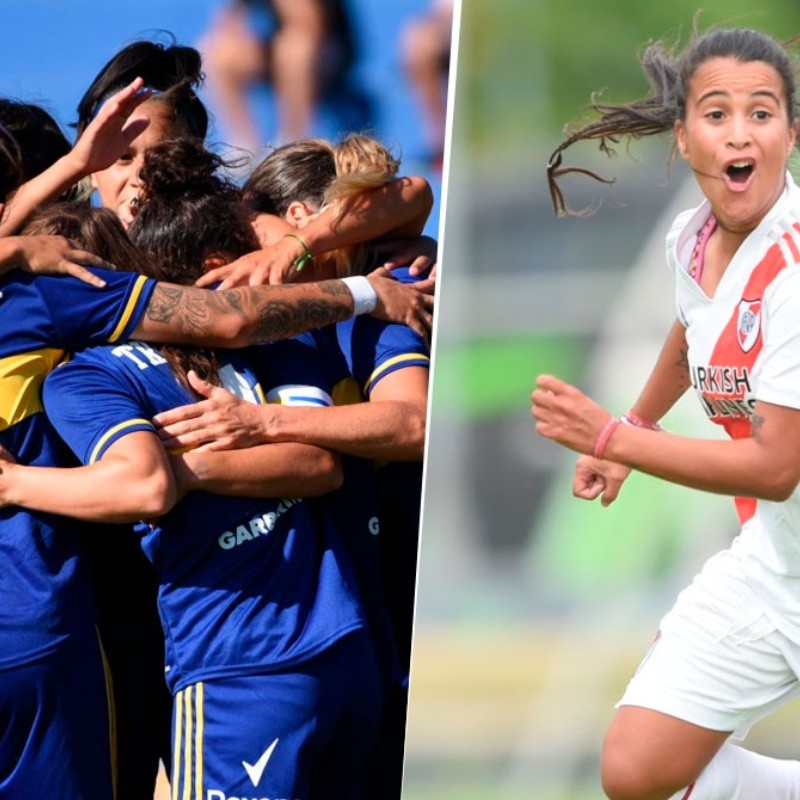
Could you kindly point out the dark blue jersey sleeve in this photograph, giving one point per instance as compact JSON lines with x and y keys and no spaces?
{"x":83,"y":315}
{"x":92,"y":404}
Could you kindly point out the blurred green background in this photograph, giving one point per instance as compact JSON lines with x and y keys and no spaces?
{"x":532,"y":608}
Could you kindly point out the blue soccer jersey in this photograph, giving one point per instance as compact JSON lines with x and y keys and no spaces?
{"x":246,"y":585}
{"x":358,"y":353}
{"x":43,"y":592}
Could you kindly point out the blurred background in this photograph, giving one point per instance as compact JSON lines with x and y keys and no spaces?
{"x":533,"y":608}
{"x":372,"y":84}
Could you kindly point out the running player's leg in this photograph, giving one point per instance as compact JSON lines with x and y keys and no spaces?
{"x":718,"y":665}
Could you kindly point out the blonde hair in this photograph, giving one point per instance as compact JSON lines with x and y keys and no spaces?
{"x":323,"y":174}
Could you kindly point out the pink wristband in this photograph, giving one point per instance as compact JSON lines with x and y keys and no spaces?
{"x":639,"y":422}
{"x":604,"y":435}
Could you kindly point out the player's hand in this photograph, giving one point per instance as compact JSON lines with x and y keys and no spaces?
{"x":407,"y":303}
{"x":418,"y":253}
{"x":269,"y":265}
{"x":221,"y":421}
{"x":566,"y":415}
{"x":111,"y":132}
{"x":597,"y":478}
{"x":55,"y":255}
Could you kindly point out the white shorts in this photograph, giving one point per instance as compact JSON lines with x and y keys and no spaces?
{"x":718,"y":660}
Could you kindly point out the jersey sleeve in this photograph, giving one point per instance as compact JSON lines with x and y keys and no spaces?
{"x":83,"y":315}
{"x":375,"y":349}
{"x":91,"y":407}
{"x":779,"y":374}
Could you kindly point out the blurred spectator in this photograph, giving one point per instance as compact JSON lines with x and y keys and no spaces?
{"x":425,"y":52}
{"x":301,"y":48}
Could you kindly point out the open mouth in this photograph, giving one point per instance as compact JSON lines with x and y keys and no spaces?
{"x":739,"y":171}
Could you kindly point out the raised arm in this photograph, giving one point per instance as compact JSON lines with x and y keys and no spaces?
{"x":398,"y":209}
{"x":103,"y":141}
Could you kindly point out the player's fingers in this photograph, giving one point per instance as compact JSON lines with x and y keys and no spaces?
{"x":611,"y":493}
{"x":213,"y":276}
{"x":202,"y":387}
{"x":549,"y":383}
{"x":420,"y":265}
{"x":134,"y":128}
{"x":589,"y":492}
{"x":84,"y":257}
{"x":426,"y":287}
{"x":542,"y":399}
{"x":77,"y":271}
{"x":418,"y":326}
{"x":177,"y":415}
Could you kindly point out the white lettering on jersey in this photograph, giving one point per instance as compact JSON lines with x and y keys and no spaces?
{"x":140,"y":354}
{"x":261,"y":525}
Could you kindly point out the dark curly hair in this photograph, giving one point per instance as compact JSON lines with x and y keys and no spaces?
{"x":190,"y":211}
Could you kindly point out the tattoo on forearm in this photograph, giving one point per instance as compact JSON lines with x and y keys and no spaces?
{"x":280,"y":318}
{"x":273,"y":312}
{"x":189,"y":309}
{"x":756,"y":424}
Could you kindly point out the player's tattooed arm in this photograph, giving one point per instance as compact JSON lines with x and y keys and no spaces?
{"x":237,"y":317}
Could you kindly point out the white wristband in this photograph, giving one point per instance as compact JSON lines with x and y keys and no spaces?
{"x":364,"y":296}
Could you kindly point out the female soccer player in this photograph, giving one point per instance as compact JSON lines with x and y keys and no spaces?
{"x":728,"y":652}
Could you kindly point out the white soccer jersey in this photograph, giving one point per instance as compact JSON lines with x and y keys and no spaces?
{"x":744,"y":345}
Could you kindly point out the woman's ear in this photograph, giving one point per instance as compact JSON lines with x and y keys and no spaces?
{"x":680,"y":138}
{"x":299,"y":213}
{"x":214,"y":260}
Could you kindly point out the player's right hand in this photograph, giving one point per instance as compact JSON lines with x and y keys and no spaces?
{"x":407,"y":303}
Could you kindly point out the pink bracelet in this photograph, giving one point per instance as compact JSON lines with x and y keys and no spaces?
{"x":604,"y":435}
{"x":634,"y":419}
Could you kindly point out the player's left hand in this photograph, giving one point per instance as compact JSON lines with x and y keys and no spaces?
{"x":55,"y":255}
{"x":566,"y":415}
{"x":220,"y":421}
{"x":419,"y":253}
{"x":270,"y":265}
{"x":598,"y":478}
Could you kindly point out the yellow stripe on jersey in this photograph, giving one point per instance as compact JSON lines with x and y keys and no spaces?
{"x":391,"y":362}
{"x":129,"y":308}
{"x":198,"y":743}
{"x":21,"y":378}
{"x":346,"y":392}
{"x":113,"y":431}
{"x":176,"y":745}
{"x":187,"y":752}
